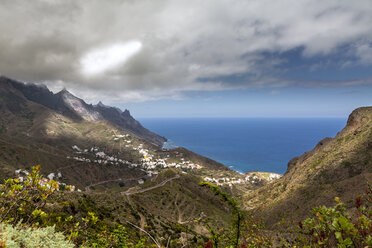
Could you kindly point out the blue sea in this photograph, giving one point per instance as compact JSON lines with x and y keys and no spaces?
{"x":246,"y":144}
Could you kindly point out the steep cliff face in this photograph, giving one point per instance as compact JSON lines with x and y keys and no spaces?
{"x":124,"y":120}
{"x":78,"y":106}
{"x":75,"y":108}
{"x":339,"y":166}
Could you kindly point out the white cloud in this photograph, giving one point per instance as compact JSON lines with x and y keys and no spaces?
{"x":105,"y":58}
{"x":183,"y":41}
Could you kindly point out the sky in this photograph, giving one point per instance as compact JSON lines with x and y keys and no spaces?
{"x":210,"y":58}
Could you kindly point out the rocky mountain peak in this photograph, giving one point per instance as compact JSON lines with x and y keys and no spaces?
{"x":64,"y":91}
{"x":100,"y":104}
{"x":126,"y":113}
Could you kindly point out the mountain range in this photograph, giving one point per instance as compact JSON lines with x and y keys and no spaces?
{"x":69,"y":105}
{"x":120,"y":169}
{"x":40,"y":127}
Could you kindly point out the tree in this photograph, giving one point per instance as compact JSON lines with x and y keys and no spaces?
{"x":244,"y":231}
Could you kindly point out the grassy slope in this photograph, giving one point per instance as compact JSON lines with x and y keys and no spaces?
{"x":170,"y":210}
{"x":341,"y":166}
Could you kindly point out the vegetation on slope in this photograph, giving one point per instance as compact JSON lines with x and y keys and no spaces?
{"x":62,"y":219}
{"x":339,"y":166}
{"x":99,"y":219}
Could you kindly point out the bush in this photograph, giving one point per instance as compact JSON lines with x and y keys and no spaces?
{"x":17,"y":237}
{"x":26,"y":221}
{"x":334,"y":227}
{"x":24,"y":200}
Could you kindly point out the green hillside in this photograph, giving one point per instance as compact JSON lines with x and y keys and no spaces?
{"x":339,"y":166}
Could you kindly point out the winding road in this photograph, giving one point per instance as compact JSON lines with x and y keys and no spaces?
{"x":152,"y":187}
{"x":111,"y":180}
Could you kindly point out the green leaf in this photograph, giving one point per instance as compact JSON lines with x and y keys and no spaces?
{"x":338,"y":236}
{"x":347,"y":242}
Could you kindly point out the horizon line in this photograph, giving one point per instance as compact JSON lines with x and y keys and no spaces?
{"x":242,"y":117}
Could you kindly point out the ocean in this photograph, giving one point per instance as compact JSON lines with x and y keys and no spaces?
{"x":246,"y":144}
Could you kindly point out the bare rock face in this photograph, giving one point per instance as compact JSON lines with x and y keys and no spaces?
{"x":358,"y":117}
{"x":80,"y":107}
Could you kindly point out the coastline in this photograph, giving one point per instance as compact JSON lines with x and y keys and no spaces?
{"x":246,"y":144}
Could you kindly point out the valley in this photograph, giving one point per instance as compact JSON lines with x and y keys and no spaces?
{"x":107,"y":163}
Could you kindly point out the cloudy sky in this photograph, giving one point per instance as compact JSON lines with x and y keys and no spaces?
{"x":210,"y":58}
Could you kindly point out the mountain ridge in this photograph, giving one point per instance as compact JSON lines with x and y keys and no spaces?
{"x":67,"y":104}
{"x":39,"y":127}
{"x":339,"y":166}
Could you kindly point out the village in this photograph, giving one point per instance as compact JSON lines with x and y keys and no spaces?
{"x":147,"y":163}
{"x":150,"y":165}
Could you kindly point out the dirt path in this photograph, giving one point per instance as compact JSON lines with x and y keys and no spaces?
{"x":142,"y":218}
{"x":150,"y":188}
{"x":87,"y":188}
{"x":178,"y":209}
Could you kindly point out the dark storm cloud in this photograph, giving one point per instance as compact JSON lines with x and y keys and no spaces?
{"x":182,"y":42}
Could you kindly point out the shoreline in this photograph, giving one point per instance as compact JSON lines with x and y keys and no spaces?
{"x":227,"y":166}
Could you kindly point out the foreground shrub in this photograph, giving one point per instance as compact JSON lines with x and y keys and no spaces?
{"x":334,"y":227}
{"x":25,"y":199}
{"x":17,"y":237}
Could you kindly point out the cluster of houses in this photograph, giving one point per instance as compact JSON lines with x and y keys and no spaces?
{"x":22,"y":176}
{"x":273,"y":176}
{"x":148,"y":163}
{"x":100,"y":157}
{"x":116,"y":137}
{"x":254,"y":179}
{"x":185,"y":165}
{"x":224,"y":181}
{"x":125,"y":137}
{"x":250,"y":178}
